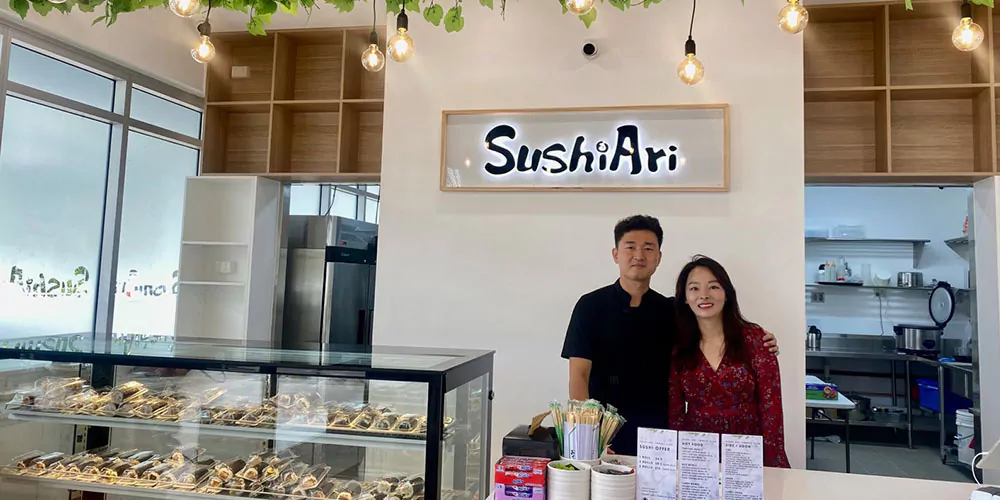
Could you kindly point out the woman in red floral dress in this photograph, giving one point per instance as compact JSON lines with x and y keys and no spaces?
{"x":723,"y":379}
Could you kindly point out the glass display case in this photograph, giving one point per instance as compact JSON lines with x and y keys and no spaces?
{"x":152,"y":417}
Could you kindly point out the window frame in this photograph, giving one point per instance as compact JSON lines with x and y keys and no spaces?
{"x":125,"y":79}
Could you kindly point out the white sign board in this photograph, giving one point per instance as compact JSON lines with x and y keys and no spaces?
{"x":655,"y":148}
{"x":656,"y":465}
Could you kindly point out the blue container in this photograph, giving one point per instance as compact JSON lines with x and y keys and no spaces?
{"x":930,"y":400}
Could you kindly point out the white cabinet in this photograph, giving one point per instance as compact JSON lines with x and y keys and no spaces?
{"x":229,"y":257}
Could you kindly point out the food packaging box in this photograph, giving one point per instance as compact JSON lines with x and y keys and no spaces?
{"x":502,"y":492}
{"x":521,"y":472}
{"x":821,"y":391}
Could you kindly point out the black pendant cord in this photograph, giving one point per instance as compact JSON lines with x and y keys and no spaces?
{"x":209,"y":12}
{"x":374,"y":14}
{"x":373,"y":36}
{"x":694,"y":6}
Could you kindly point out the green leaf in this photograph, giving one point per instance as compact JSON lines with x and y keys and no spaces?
{"x":393,"y":6}
{"x":265,"y":18}
{"x":265,"y":7}
{"x":412,"y":5}
{"x":486,"y":3}
{"x":988,"y":3}
{"x":85,"y":7}
{"x":99,"y":19}
{"x":619,"y":4}
{"x":65,"y":8}
{"x":292,"y":8}
{"x":21,"y":7}
{"x":256,"y":26}
{"x":563,"y":3}
{"x":343,"y":5}
{"x":43,"y":8}
{"x":453,"y":20}
{"x":238,"y":5}
{"x":433,"y":14}
{"x":909,"y":4}
{"x":647,"y":3}
{"x":589,"y":17}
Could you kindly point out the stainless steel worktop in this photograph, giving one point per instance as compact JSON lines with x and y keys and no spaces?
{"x":861,"y":353}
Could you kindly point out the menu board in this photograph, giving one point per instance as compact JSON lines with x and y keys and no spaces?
{"x":656,"y":467}
{"x":742,"y":467}
{"x":698,"y":465}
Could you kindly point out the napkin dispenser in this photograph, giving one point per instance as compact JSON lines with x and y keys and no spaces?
{"x":541,"y":443}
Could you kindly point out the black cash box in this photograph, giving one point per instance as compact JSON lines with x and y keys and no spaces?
{"x":541,"y":444}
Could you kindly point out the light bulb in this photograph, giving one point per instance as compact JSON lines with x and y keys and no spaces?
{"x":579,"y":7}
{"x":793,"y":18}
{"x":185,"y":8}
{"x":400,"y":46}
{"x":690,"y":70}
{"x":967,"y":36}
{"x":204,"y":51}
{"x":373,"y":59}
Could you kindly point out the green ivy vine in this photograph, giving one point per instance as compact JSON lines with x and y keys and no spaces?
{"x":259,"y":12}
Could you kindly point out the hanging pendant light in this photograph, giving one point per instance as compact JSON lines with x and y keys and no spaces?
{"x":793,"y":18}
{"x":205,"y":50}
{"x":968,"y":36}
{"x":579,"y":7}
{"x":373,"y":59}
{"x":185,"y":8}
{"x":400,"y":46}
{"x":690,"y":70}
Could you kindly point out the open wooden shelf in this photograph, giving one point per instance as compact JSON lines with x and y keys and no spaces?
{"x":307,"y":112}
{"x":890,"y":100}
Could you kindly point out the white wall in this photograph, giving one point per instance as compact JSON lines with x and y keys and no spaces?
{"x":886,"y":212}
{"x":502,"y":270}
{"x":154,"y":42}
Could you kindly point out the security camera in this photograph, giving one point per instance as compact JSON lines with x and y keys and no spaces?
{"x":589,"y":50}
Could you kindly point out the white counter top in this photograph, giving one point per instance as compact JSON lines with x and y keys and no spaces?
{"x":794,"y":484}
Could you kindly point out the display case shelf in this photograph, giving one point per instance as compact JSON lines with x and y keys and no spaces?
{"x":280,"y":433}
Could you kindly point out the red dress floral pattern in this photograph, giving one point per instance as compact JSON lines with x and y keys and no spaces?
{"x":738,"y":398}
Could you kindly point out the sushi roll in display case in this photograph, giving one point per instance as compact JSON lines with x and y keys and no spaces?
{"x":151,"y":417}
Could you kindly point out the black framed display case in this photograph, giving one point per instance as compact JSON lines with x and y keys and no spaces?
{"x":153,"y":417}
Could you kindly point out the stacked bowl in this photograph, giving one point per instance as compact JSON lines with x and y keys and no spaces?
{"x":569,"y":480}
{"x":612,"y":482}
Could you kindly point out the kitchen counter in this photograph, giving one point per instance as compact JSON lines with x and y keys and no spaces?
{"x":867,"y":353}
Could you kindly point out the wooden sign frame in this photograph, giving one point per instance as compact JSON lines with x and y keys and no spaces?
{"x":501,"y":112}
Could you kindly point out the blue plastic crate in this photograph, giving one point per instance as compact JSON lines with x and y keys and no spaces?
{"x":930,"y":400}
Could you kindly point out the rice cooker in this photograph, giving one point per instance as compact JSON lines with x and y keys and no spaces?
{"x":925,"y":340}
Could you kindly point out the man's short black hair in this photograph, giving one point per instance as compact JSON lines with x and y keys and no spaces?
{"x":639,"y":223}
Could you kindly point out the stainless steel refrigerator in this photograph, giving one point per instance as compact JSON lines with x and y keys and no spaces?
{"x":329,"y":282}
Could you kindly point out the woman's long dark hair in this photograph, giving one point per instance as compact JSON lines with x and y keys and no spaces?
{"x":688,"y":347}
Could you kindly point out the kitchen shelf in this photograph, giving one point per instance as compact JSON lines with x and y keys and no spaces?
{"x":880,"y":287}
{"x":917,"y":245}
{"x":298,"y":434}
{"x":960,"y":246}
{"x":928,"y":424}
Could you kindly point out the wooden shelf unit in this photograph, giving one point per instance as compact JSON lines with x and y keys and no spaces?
{"x":307,"y":112}
{"x":889,"y":99}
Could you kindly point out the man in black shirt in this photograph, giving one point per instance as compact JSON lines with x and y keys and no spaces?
{"x":620,"y":337}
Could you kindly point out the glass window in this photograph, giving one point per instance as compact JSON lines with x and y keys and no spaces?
{"x":42,"y":72}
{"x":371,"y":210}
{"x":51,"y":217}
{"x":161,"y":112}
{"x":304,"y":199}
{"x":372,"y":188}
{"x":344,"y":204}
{"x":149,"y":244}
